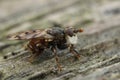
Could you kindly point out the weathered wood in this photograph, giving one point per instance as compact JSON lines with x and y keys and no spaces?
{"x":99,"y":44}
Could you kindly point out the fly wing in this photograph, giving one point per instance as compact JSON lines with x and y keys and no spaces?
{"x":29,"y":35}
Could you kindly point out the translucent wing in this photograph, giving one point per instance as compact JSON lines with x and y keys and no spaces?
{"x":30,"y":35}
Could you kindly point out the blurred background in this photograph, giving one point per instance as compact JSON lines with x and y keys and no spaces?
{"x":99,"y":19}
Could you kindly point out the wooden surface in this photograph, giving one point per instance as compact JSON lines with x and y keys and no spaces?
{"x":99,"y":44}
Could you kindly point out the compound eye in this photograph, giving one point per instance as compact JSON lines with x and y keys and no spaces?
{"x":70,"y":32}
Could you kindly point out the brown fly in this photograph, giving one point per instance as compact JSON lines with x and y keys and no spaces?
{"x":51,"y":38}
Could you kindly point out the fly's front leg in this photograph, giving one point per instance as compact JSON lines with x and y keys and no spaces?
{"x":73,"y":51}
{"x":32,"y":56}
{"x":57,"y":58}
{"x":30,"y":48}
{"x":34,"y":53}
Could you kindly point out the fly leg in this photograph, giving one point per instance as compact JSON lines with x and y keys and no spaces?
{"x":73,"y":51}
{"x":57,"y":59}
{"x":34,"y":53}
